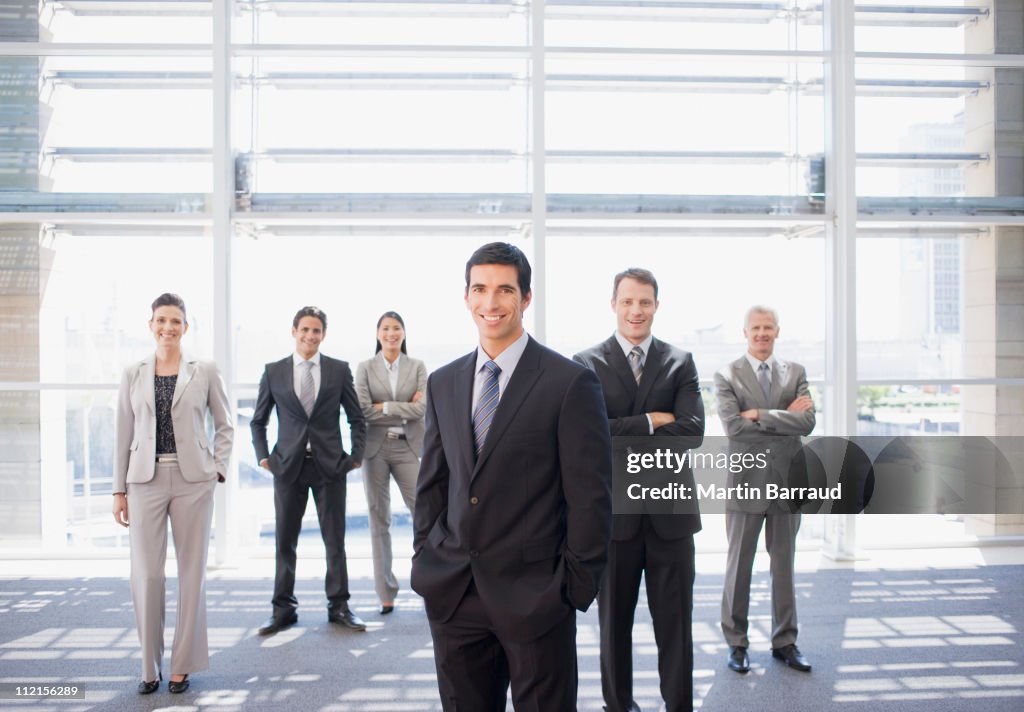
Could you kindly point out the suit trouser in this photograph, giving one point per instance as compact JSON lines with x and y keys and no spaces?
{"x":289,"y":507}
{"x":395,"y":457}
{"x":475,"y":665}
{"x":743,"y":529}
{"x":667,"y":565}
{"x":190,"y":508}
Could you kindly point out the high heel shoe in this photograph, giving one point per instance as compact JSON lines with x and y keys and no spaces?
{"x":149,"y":687}
{"x":178,"y":687}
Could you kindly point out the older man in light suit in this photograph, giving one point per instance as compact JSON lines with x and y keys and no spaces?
{"x":765,"y":405}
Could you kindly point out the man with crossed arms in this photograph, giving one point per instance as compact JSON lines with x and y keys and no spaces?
{"x":765,"y":405}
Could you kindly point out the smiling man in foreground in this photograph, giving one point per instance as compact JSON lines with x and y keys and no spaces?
{"x":513,"y":504}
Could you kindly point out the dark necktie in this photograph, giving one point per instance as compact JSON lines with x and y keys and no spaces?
{"x":486,"y":406}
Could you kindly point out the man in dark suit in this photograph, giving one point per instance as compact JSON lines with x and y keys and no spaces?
{"x":513,"y":504}
{"x":765,"y":406}
{"x":308,"y":390}
{"x":650,"y":388}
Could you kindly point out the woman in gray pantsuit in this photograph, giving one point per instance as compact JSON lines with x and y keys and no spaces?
{"x":392,"y":391}
{"x":164,"y":467}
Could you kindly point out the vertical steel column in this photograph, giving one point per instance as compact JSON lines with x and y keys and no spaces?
{"x":840,"y":246}
{"x":222,"y":201}
{"x":537,"y":149}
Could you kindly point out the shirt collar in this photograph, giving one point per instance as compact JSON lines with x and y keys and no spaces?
{"x":297,"y":359}
{"x":389,"y":366}
{"x":626,"y":345}
{"x":508,"y":359}
{"x":755,"y":364}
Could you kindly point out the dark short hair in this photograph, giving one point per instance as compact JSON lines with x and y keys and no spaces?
{"x":502,"y":253}
{"x":390,"y":315}
{"x":641,"y":275}
{"x":169,"y":299}
{"x":310,"y":311}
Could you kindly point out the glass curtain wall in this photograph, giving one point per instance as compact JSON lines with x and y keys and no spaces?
{"x":372,"y":146}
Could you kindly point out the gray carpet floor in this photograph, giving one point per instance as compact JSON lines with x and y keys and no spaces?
{"x":924,"y":640}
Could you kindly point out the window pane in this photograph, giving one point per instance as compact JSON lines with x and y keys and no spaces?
{"x":96,"y":300}
{"x":910,"y":306}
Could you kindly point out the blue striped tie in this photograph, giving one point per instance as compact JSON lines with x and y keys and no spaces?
{"x":485,"y":407}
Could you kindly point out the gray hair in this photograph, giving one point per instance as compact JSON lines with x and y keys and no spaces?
{"x":761,"y":309}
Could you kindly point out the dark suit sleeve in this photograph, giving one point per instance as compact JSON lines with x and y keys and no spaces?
{"x":260,"y":417}
{"x":627,"y":424}
{"x":584,"y":447}
{"x":688,"y":406}
{"x":432,"y":483}
{"x":354,"y":414}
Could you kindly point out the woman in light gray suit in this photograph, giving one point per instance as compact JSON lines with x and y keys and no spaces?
{"x":392,"y":391}
{"x":164,"y":467}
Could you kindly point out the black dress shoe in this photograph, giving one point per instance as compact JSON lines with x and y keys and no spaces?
{"x":178,"y":687}
{"x":738,"y":659}
{"x":791,"y":655}
{"x":275,"y":623}
{"x":384,"y":610}
{"x":344,"y":616}
{"x":148,"y":688}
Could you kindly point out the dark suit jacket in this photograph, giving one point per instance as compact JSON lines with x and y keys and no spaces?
{"x":322,"y":429}
{"x":528,"y":521}
{"x":669,"y":384}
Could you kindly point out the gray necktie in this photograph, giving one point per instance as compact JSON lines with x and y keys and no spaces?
{"x":765,"y":379}
{"x":307,"y":389}
{"x":634,"y":362}
{"x":487,"y":405}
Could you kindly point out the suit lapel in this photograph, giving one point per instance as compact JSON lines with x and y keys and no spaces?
{"x":186,"y":369}
{"x":746,"y":374}
{"x":779,"y":375}
{"x":405,"y":372}
{"x":327,"y":375}
{"x":616,"y":360}
{"x":652,"y":369}
{"x":285,"y":375}
{"x":465,"y":374}
{"x":523,"y":379}
{"x":148,"y":375}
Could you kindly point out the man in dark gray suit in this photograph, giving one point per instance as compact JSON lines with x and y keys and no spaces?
{"x":650,"y":389}
{"x":308,"y":391}
{"x":513,"y":504}
{"x":765,"y":405}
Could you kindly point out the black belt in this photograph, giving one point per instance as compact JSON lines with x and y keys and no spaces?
{"x":395,"y":436}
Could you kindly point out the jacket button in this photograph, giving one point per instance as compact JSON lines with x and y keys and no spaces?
{"x":474,"y":500}
{"x":474,"y":554}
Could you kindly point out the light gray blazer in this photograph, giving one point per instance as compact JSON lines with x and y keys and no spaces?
{"x":199,"y":390}
{"x":372,"y":386}
{"x":737,"y":390}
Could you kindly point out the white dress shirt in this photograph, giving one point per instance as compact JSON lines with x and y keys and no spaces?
{"x":755,"y":364}
{"x":392,"y":370}
{"x":298,"y":371}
